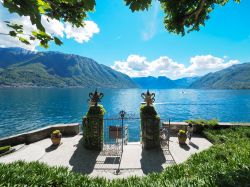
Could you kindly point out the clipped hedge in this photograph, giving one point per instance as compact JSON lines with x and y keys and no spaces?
{"x":93,"y":127}
{"x":224,"y":164}
{"x":148,"y":110}
{"x":203,"y":122}
{"x":96,"y":110}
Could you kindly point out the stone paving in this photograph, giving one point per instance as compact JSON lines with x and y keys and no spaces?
{"x":133,"y":161}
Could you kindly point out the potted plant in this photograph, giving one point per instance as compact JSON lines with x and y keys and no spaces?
{"x":182,"y":137}
{"x":56,"y":137}
{"x":4,"y":149}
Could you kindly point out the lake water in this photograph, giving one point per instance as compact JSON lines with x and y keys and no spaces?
{"x":26,"y":109}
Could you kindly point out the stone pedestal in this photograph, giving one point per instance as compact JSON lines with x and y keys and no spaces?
{"x":93,"y":132}
{"x":150,"y":131}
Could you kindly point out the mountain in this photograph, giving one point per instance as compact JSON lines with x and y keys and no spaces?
{"x":153,"y":82}
{"x":163,"y":82}
{"x":185,"y":82}
{"x":20,"y":67}
{"x":234,"y":77}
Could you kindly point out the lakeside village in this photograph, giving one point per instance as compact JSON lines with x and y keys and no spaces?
{"x":198,"y":152}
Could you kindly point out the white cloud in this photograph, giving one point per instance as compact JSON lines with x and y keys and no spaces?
{"x":82,"y":34}
{"x":201,"y":65}
{"x":52,"y":26}
{"x":139,"y":66}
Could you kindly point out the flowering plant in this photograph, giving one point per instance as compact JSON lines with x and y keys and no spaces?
{"x":182,"y":132}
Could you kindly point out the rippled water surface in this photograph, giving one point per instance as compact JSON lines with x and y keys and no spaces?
{"x":31,"y":108}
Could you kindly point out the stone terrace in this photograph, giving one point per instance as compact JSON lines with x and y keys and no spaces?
{"x":133,"y":161}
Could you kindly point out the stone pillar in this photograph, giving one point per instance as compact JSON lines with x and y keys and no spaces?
{"x":150,"y":127}
{"x":93,"y":128}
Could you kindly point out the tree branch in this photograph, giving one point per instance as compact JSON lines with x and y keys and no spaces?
{"x":195,"y":13}
{"x":4,"y":33}
{"x":77,"y":5}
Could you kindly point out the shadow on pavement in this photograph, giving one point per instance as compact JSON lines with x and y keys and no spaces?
{"x":185,"y":147}
{"x":51,"y":148}
{"x":152,"y":160}
{"x":83,"y":160}
{"x":193,"y":145}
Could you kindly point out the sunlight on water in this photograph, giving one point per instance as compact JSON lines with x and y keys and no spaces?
{"x":26,"y":109}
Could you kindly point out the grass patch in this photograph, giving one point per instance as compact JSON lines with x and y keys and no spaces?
{"x":228,"y":134}
{"x":226,"y":163}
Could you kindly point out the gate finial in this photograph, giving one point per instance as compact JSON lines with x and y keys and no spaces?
{"x":148,"y":97}
{"x":122,"y":113}
{"x":95,"y":97}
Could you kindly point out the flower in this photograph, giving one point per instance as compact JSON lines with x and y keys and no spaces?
{"x":56,"y":132}
{"x":182,"y":132}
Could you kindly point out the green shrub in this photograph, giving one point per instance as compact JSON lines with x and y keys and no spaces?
{"x":201,"y":124}
{"x":4,"y":149}
{"x":148,"y":110}
{"x":96,"y":110}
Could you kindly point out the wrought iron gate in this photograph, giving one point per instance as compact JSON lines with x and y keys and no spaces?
{"x":116,"y":133}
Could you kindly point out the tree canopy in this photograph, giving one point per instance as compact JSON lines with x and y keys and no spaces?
{"x":181,"y":16}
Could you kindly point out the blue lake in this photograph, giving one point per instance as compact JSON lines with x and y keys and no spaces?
{"x":26,"y":109}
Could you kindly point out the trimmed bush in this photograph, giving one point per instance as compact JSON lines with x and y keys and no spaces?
{"x":150,"y":127}
{"x":93,"y":127}
{"x":96,"y":110}
{"x":201,"y":124}
{"x":148,"y":110}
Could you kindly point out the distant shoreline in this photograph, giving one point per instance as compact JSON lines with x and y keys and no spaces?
{"x":33,"y":86}
{"x":63,"y":87}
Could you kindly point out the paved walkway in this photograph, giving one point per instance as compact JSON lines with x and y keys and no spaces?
{"x":133,"y":161}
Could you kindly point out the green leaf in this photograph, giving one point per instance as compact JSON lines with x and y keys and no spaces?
{"x":12,"y":33}
{"x":23,"y":40}
{"x":44,"y":44}
{"x":32,"y":38}
{"x":57,"y":41}
{"x":15,"y":26}
{"x":43,"y":6}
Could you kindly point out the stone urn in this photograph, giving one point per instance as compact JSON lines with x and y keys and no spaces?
{"x":56,"y":137}
{"x":182,"y":137}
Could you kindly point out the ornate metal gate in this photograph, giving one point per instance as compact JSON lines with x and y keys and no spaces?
{"x":116,"y":133}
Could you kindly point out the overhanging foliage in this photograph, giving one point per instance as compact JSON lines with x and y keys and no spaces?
{"x":181,"y":16}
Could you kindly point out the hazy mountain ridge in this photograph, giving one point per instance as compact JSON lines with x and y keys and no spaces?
{"x":20,"y":67}
{"x":163,"y":82}
{"x":234,"y":77}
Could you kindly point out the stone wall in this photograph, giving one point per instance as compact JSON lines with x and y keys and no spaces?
{"x":39,"y":134}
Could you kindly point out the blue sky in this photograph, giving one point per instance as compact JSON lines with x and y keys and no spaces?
{"x":122,"y":33}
